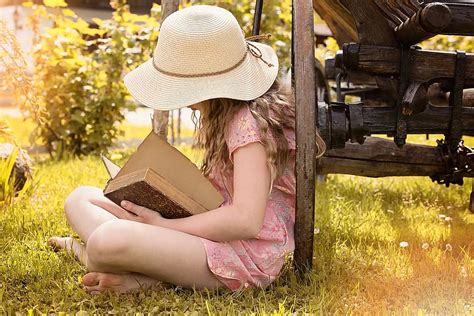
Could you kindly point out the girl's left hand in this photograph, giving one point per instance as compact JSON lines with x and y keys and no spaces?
{"x":141,"y":214}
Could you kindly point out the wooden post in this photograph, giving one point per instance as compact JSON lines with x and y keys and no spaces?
{"x":303,"y":79}
{"x":160,"y":118}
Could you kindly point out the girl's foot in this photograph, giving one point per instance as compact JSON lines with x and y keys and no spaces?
{"x":98,"y":282}
{"x":71,"y":245}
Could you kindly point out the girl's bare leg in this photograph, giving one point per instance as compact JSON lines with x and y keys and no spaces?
{"x":86,"y":209}
{"x":120,"y":246}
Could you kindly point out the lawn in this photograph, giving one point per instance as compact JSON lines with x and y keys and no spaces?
{"x":390,"y":244}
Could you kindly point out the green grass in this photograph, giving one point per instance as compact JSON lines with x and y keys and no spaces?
{"x":359,"y":264}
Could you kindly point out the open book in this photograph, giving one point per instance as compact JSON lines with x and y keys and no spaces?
{"x":159,"y":177}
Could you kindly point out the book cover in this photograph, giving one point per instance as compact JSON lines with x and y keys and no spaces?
{"x":158,"y":176}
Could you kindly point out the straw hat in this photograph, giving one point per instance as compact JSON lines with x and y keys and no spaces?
{"x":202,"y":54}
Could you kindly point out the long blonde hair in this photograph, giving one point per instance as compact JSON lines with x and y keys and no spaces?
{"x":273,"y":111}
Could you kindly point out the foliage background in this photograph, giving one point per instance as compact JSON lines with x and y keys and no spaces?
{"x":78,"y":71}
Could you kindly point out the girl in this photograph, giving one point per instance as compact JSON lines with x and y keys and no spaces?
{"x":246,"y":127}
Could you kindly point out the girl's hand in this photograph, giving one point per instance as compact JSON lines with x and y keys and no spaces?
{"x":141,"y":214}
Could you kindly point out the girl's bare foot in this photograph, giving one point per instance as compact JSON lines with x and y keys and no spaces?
{"x":71,"y":245}
{"x":98,"y":282}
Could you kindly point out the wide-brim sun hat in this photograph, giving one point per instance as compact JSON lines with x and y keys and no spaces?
{"x":202,"y":54}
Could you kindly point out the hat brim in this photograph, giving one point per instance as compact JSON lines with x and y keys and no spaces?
{"x":159,"y":91}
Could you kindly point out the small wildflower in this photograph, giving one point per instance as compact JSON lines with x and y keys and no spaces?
{"x":448,"y":219}
{"x":449,"y":247}
{"x":463,"y":272}
{"x":389,"y":211}
{"x":441,"y":216}
{"x":425,"y":246}
{"x":404,"y":244}
{"x":316,"y":230}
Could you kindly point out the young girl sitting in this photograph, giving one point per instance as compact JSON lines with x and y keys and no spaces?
{"x":246,"y":127}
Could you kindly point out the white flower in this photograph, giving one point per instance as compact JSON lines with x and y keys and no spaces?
{"x":441,"y":216}
{"x":425,"y":246}
{"x":449,"y":247}
{"x":447,"y":219}
{"x":404,"y":244}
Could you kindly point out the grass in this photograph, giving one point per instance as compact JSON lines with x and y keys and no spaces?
{"x":359,"y":263}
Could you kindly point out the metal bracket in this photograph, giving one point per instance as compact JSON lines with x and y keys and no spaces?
{"x":339,"y":77}
{"x":339,"y":125}
{"x":405,"y":67}
{"x":459,"y":162}
{"x":455,"y":101}
{"x":356,"y":122}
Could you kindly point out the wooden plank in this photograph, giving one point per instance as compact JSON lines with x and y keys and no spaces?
{"x":437,"y":18}
{"x":379,"y":157}
{"x":426,"y":65}
{"x":426,"y":23}
{"x":303,"y":76}
{"x":338,"y":19}
{"x":160,"y":118}
{"x":371,"y":24}
{"x":463,"y":19}
{"x":433,"y":120}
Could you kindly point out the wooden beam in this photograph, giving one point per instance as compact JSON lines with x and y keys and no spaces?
{"x":303,"y":75}
{"x":372,"y":26}
{"x":463,"y":19}
{"x":426,"y":23}
{"x":426,"y":65}
{"x":379,"y":157}
{"x":339,"y":20}
{"x":433,"y":120}
{"x":160,"y":118}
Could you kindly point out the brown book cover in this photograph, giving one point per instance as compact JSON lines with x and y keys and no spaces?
{"x":158,"y":176}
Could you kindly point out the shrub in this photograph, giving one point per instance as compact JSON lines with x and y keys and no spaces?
{"x":78,"y":75}
{"x":14,"y":79}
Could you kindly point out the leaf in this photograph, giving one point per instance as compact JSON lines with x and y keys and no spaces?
{"x":98,"y":21}
{"x":55,"y":3}
{"x":69,"y":12}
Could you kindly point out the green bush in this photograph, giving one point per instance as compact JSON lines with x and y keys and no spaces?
{"x":78,"y":75}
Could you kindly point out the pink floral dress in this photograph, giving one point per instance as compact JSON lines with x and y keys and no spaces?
{"x":258,"y":261}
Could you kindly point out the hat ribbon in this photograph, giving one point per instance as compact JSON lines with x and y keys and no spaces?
{"x":253,"y":49}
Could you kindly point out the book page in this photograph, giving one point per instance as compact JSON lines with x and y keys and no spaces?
{"x":156,"y":153}
{"x":112,"y":169}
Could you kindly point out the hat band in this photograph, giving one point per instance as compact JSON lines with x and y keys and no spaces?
{"x":204,"y":74}
{"x":254,"y":50}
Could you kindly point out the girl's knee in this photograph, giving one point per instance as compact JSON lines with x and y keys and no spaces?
{"x":108,"y":241}
{"x":78,"y":195}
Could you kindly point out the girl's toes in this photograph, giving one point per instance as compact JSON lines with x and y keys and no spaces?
{"x":56,"y":243}
{"x":91,"y":279}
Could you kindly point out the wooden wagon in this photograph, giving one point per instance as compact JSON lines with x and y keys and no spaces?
{"x":397,"y":83}
{"x":402,"y":90}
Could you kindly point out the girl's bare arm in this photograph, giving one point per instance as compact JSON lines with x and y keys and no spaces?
{"x":244,"y":218}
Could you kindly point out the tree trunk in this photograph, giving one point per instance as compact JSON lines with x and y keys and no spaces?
{"x":160,"y":118}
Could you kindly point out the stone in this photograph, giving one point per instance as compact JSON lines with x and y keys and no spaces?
{"x":22,"y":167}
